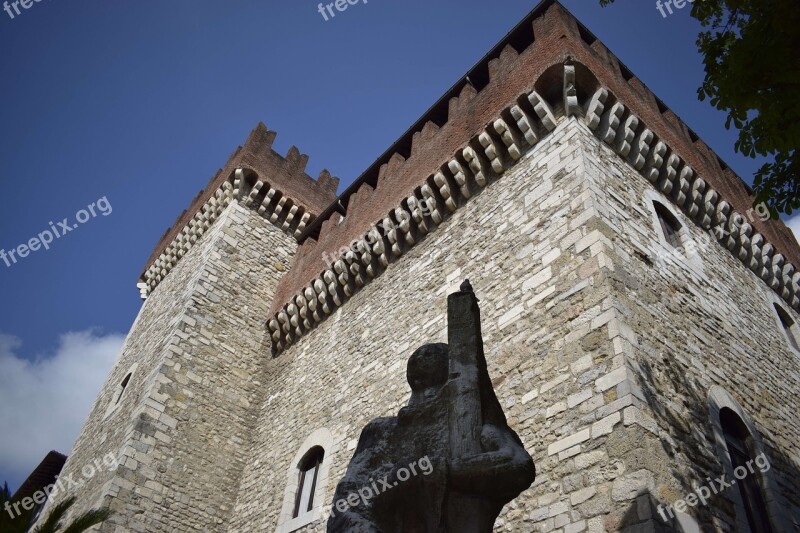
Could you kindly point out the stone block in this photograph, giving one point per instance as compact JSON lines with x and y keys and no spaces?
{"x":568,"y":442}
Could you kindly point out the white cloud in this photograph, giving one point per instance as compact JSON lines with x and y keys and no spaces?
{"x":794,"y":225}
{"x":44,"y":403}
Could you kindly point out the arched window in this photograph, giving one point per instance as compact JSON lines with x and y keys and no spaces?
{"x":788,"y":326}
{"x":739,"y":444}
{"x":309,"y":467}
{"x":307,"y":476}
{"x":674,"y":244}
{"x":670,"y":225}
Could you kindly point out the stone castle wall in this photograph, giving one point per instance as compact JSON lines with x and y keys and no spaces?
{"x":109,"y":425}
{"x":182,"y":428}
{"x":610,"y":352}
{"x":606,"y":350}
{"x":530,"y":246}
{"x":706,"y":336}
{"x":605,"y":365}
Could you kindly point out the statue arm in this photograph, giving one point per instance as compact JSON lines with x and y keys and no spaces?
{"x":506,"y":464}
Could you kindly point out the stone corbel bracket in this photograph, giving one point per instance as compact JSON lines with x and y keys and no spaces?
{"x":488,"y":156}
{"x":250,"y":191}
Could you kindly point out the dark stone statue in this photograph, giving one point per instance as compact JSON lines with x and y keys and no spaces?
{"x":448,"y":462}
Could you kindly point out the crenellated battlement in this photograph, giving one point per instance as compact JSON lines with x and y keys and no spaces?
{"x":503,"y":107}
{"x":258,"y":177}
{"x":548,"y":68}
{"x":549,"y":35}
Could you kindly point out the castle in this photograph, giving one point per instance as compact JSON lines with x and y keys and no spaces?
{"x":640,"y":318}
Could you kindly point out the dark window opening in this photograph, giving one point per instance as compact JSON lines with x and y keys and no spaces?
{"x":521,"y":38}
{"x":479,"y":76}
{"x":739,"y":444}
{"x":309,"y":472}
{"x":788,"y":325}
{"x":122,"y":387}
{"x":669,"y":225}
{"x":586,"y":36}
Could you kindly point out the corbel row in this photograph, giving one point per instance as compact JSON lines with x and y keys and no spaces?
{"x":185,"y":240}
{"x":270,"y":203}
{"x":483,"y":160}
{"x":486,"y":158}
{"x":629,"y":137}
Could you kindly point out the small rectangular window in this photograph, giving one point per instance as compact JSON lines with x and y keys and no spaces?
{"x":788,"y":326}
{"x":122,"y":387}
{"x":669,"y":225}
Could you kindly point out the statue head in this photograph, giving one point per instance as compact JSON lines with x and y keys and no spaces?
{"x":427,"y":371}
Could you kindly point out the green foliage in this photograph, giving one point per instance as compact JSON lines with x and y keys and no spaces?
{"x":79,"y":524}
{"x":751,"y":55}
{"x":87,"y":520}
{"x":20,"y":523}
{"x":53,"y":522}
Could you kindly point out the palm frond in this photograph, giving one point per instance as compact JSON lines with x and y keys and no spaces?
{"x":53,"y":522}
{"x":87,"y":520}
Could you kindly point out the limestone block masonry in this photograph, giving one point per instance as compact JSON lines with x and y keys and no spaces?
{"x":531,"y":249}
{"x":612,"y":352}
{"x":182,"y":427}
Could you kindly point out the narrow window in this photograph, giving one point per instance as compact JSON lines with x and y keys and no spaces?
{"x":788,"y":326}
{"x":116,"y":397}
{"x":309,"y":471}
{"x":122,"y":387}
{"x":739,"y":444}
{"x":669,"y":225}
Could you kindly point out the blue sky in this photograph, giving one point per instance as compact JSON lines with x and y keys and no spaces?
{"x":141,"y":102}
